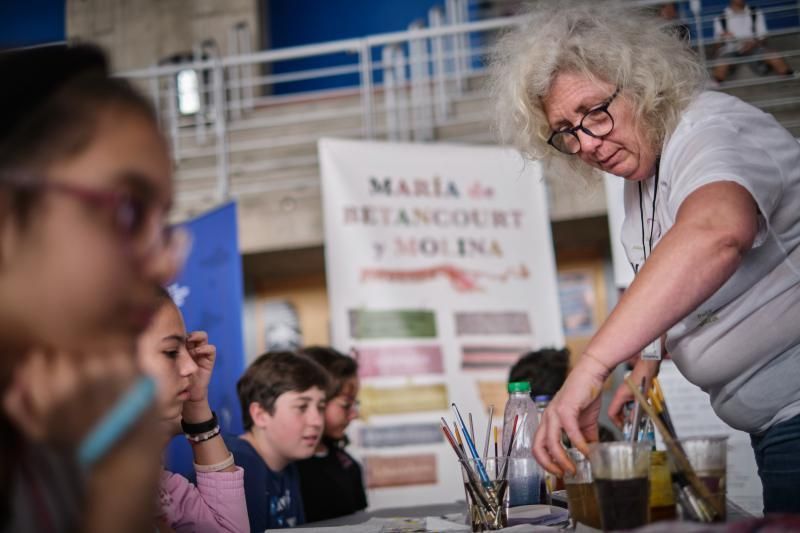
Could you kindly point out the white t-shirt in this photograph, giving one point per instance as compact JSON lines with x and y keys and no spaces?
{"x":740,"y":25}
{"x":742,"y":345}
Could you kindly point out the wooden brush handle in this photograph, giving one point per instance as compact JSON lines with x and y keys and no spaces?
{"x":677,"y":452}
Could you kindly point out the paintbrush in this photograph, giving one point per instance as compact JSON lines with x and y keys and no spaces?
{"x":685,"y":493}
{"x":471,"y":447}
{"x":703,"y":496}
{"x":511,"y":443}
{"x":636,"y":417}
{"x":471,"y":428}
{"x":489,"y":495}
{"x":658,"y":393}
{"x":504,"y":477}
{"x":488,"y":432}
{"x":473,"y":484}
{"x":458,"y":439}
{"x":688,"y":498}
{"x":496,"y":431}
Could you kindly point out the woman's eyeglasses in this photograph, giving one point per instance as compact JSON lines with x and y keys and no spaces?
{"x":597,"y":122}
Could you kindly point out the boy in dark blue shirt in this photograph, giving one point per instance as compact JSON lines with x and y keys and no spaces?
{"x":283,"y":398}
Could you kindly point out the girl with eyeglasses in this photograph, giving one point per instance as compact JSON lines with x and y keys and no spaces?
{"x":85,"y":187}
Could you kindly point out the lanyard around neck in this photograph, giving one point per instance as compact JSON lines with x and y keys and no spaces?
{"x":645,"y":250}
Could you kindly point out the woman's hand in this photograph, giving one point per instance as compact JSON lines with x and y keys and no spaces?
{"x":204,"y":355}
{"x":642,"y":369}
{"x":574,"y":409}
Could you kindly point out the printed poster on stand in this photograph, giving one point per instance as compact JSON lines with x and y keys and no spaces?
{"x":441,"y":273}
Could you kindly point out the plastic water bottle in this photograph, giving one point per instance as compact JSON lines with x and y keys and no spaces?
{"x":548,"y":479}
{"x":541,"y":401}
{"x":524,"y":473}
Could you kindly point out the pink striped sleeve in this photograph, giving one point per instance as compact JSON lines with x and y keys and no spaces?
{"x":217,"y":503}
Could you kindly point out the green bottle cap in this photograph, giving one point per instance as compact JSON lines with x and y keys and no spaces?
{"x":519,"y":386}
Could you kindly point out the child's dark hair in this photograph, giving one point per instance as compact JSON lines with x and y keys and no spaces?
{"x":50,"y":100}
{"x":163,"y":295}
{"x":546,"y":370}
{"x":273,"y":374}
{"x":340,"y":367}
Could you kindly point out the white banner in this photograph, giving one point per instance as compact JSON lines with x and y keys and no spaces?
{"x":440,"y":274}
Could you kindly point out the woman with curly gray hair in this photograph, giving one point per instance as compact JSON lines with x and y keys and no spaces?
{"x":712,"y":205}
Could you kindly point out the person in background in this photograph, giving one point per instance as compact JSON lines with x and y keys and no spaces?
{"x":182,"y":365}
{"x":331,"y":480}
{"x":85,"y":189}
{"x":544,"y":369}
{"x":283,"y":398}
{"x":669,"y":11}
{"x":742,"y":32}
{"x":711,"y":229}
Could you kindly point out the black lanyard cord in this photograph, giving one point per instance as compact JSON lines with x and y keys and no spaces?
{"x":641,"y":216}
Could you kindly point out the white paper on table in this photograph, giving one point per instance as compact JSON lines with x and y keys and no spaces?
{"x":437,"y":523}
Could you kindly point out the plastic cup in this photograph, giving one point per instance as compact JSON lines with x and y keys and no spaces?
{"x":620,"y":471}
{"x":581,"y":496}
{"x":709,"y":459}
{"x":662,"y":499}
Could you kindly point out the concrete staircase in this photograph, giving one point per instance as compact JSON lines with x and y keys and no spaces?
{"x":274,"y":172}
{"x":778,"y":95}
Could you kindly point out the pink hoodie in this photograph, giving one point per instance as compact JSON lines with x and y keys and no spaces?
{"x":217,"y":503}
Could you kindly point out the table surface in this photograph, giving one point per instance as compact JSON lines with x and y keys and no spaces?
{"x":440,"y":510}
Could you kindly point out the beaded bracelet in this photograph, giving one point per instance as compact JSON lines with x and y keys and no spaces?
{"x":215,"y":467}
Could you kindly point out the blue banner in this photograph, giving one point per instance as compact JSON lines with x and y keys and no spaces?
{"x":210,"y":294}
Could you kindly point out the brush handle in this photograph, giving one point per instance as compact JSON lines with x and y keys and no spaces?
{"x":472,"y":450}
{"x":471,"y":427}
{"x":683,"y":463}
{"x":471,"y":479}
{"x":511,"y":444}
{"x":636,"y":416}
{"x":488,"y":432}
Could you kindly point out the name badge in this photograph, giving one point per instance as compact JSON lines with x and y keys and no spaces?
{"x":652,"y":352}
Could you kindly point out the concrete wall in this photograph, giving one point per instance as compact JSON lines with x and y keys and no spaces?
{"x":140,"y":33}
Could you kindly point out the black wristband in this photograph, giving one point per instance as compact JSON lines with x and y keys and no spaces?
{"x":202,"y":427}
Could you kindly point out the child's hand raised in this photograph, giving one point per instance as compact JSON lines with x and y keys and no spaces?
{"x":204,"y":355}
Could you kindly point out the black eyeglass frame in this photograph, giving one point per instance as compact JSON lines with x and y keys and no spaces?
{"x":573,"y":130}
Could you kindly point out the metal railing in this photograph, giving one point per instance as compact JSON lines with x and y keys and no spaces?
{"x":424,"y":84}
